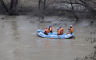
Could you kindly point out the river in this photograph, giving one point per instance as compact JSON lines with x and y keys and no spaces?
{"x":19,"y":41}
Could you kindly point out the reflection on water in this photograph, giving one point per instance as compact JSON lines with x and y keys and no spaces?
{"x":14,"y":27}
{"x":18,"y":40}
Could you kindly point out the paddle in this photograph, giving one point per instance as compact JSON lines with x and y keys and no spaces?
{"x":74,"y":37}
{"x":58,"y":36}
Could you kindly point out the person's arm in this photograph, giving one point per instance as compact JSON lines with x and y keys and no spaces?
{"x":44,"y":30}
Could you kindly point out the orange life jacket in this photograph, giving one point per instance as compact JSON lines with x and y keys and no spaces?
{"x":71,"y":30}
{"x":62,"y":30}
{"x":59,"y":32}
{"x":50,"y":29}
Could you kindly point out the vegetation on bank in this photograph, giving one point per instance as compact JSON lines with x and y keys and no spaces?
{"x":85,"y":9}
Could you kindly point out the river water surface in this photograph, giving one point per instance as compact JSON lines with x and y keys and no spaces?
{"x":19,"y":41}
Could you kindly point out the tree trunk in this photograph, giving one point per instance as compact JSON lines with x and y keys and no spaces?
{"x":44,"y":4}
{"x":3,"y":4}
{"x":73,"y":12}
{"x":39,"y":4}
{"x":13,"y":6}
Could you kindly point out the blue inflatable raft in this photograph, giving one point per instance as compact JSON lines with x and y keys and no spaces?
{"x":53,"y":35}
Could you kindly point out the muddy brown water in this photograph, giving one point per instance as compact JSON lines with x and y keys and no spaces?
{"x":19,"y":41}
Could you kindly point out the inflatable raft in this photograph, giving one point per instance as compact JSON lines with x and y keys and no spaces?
{"x":40,"y":33}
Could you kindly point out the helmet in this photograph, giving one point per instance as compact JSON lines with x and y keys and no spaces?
{"x":46,"y":27}
{"x":60,"y":27}
{"x":70,"y":25}
{"x":49,"y":25}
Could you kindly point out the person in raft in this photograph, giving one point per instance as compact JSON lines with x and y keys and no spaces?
{"x":62,"y":30}
{"x":58,"y":31}
{"x":46,"y":31}
{"x":70,"y":30}
{"x":50,"y":29}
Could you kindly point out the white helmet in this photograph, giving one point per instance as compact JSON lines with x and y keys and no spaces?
{"x":70,"y":25}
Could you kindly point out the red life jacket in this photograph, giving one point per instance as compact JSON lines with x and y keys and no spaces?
{"x":46,"y":30}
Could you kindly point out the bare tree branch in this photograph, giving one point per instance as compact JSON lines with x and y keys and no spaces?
{"x":93,"y":2}
{"x":88,"y":7}
{"x":13,"y":6}
{"x":39,"y":4}
{"x":74,"y":12}
{"x":3,"y":4}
